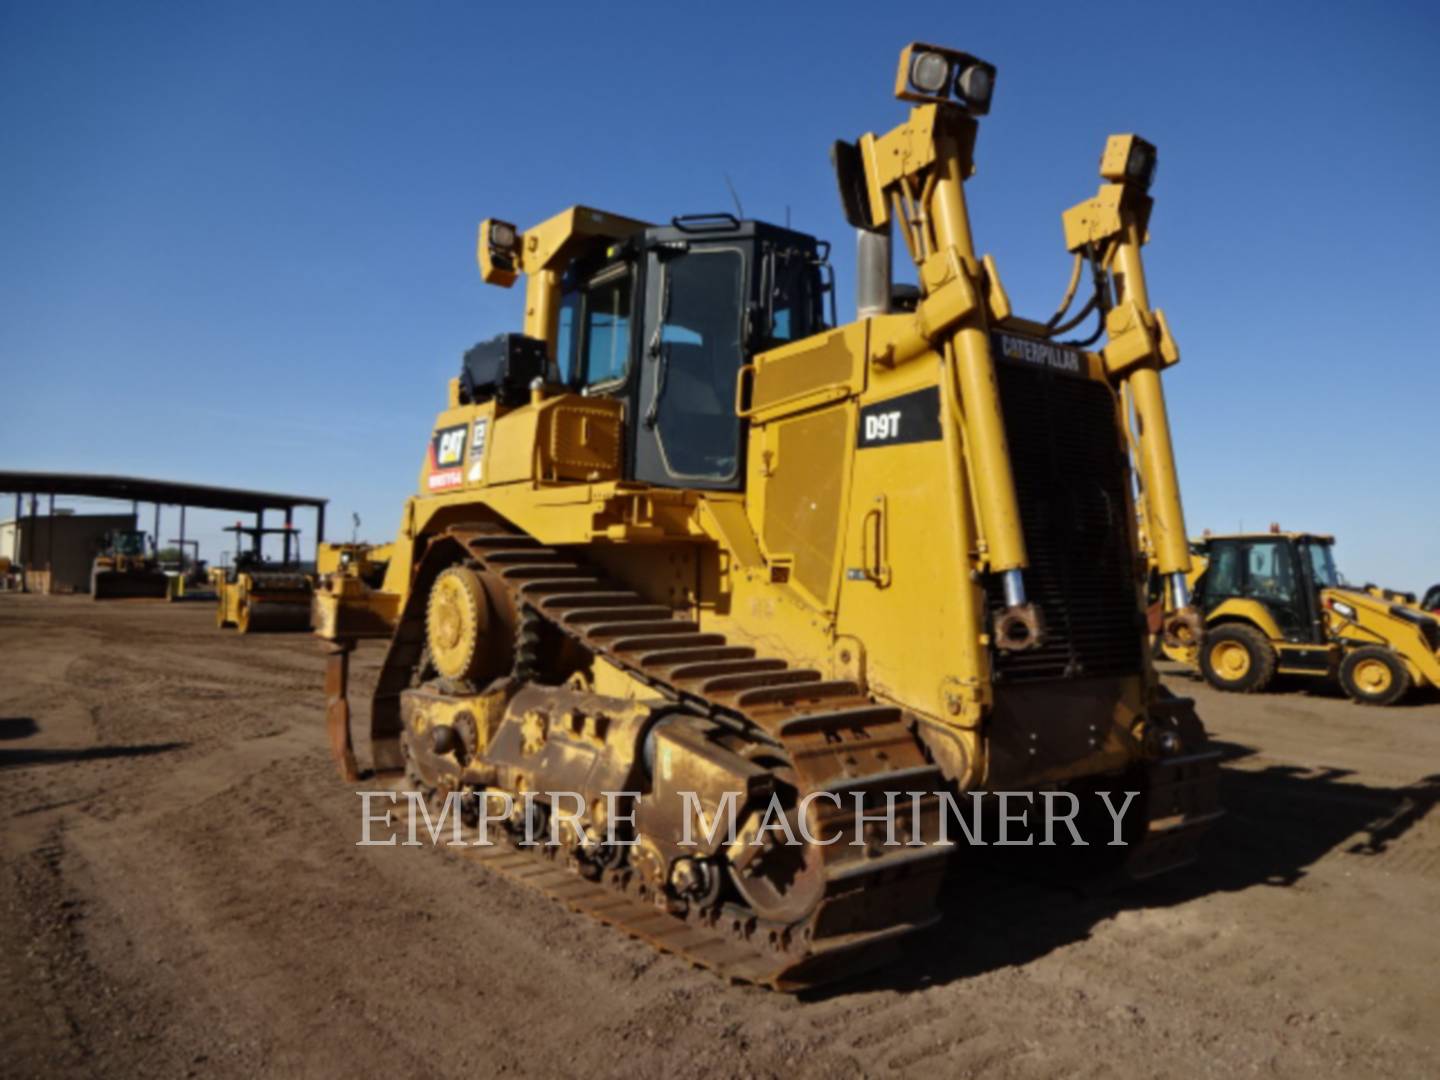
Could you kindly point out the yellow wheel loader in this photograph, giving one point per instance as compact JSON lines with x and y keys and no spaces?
{"x":126,"y":569}
{"x":686,"y":539}
{"x":1273,"y":603}
{"x":258,"y":594}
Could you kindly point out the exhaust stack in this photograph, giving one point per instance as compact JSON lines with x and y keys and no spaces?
{"x":872,"y":272}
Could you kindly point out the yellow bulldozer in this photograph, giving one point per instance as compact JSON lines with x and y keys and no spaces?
{"x":1274,"y":604}
{"x":254,"y":593}
{"x":688,"y":539}
{"x":126,"y":569}
{"x":362,"y":561}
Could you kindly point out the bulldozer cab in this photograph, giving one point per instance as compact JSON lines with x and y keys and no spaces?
{"x":665,"y":321}
{"x":1284,"y":573}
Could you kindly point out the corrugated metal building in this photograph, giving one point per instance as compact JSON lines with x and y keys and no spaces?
{"x":65,"y":544}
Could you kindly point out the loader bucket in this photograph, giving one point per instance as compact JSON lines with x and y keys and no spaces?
{"x":128,"y":585}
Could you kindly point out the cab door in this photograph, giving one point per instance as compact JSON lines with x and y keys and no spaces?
{"x":685,"y":429}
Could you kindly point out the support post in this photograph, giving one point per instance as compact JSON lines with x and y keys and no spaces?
{"x":289,"y":524}
{"x":30,"y":544}
{"x":337,"y":707}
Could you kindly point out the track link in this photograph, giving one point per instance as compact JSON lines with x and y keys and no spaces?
{"x":836,"y":740}
{"x":833,"y":737}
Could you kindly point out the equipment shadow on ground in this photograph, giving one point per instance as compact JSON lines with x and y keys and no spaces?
{"x":14,"y":759}
{"x":17,"y":727}
{"x":1278,"y":822}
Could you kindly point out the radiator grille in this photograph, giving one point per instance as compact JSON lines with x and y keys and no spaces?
{"x":1071,"y":474}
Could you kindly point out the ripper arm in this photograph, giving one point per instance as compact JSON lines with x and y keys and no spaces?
{"x":916,"y":174}
{"x":1110,"y":230}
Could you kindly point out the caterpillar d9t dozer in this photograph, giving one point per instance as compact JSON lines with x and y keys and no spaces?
{"x":682,"y":538}
{"x":126,"y":569}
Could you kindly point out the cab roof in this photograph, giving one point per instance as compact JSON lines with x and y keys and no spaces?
{"x":1270,"y":534}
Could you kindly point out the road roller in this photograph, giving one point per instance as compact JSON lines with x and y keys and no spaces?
{"x":254,"y":593}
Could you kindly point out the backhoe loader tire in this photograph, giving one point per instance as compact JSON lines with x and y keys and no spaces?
{"x":1374,"y":676}
{"x":1237,"y":658}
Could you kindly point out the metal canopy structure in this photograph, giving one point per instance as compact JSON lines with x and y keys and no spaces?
{"x":166,"y":492}
{"x":137,"y":489}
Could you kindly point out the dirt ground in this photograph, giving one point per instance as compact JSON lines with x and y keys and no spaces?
{"x":181,"y":896}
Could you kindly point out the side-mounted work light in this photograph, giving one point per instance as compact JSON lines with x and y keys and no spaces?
{"x":930,"y":73}
{"x":499,"y":252}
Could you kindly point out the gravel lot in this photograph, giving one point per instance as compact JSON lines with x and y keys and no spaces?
{"x":181,"y":895}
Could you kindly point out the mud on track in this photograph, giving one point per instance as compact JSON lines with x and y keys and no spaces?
{"x":181,"y":895}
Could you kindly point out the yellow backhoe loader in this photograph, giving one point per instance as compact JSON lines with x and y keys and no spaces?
{"x":1273,"y":603}
{"x":685,"y":537}
{"x":255,"y":593}
{"x":126,"y":569}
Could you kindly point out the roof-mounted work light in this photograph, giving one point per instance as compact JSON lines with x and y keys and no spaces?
{"x":929,"y":73}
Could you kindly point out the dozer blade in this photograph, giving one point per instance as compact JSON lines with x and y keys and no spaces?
{"x":123,"y":585}
{"x":274,"y":616}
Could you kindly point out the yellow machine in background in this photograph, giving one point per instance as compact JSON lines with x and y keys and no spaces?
{"x":126,"y":569}
{"x":188,"y":576}
{"x":350,"y":600}
{"x":684,"y":535}
{"x":366,"y":562}
{"x":1273,"y":604}
{"x":255,"y":593}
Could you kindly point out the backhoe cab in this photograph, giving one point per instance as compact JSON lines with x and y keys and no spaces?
{"x":1274,"y":603}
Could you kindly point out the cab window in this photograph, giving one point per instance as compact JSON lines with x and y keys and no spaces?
{"x":794,"y":303}
{"x":606,"y":334}
{"x":567,"y":338}
{"x":692,"y":402}
{"x":1222,"y":575}
{"x":1270,"y":571}
{"x":1322,"y":565}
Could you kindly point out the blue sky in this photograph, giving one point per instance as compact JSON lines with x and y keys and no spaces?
{"x":238,"y":238}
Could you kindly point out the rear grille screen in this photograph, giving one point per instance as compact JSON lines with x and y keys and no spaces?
{"x":1071,"y":475}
